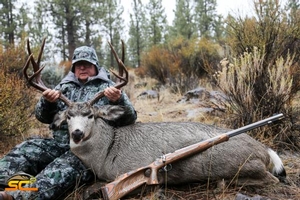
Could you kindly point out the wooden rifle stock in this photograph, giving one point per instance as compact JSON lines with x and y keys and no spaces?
{"x":128,"y":182}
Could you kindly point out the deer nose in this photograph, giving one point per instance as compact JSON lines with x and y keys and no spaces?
{"x":77,"y":135}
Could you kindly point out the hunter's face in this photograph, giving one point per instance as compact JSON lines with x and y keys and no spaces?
{"x":84,"y":70}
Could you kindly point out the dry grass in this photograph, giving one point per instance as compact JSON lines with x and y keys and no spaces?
{"x":166,"y":107}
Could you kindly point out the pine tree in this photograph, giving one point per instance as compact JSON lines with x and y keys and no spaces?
{"x":206,"y":17}
{"x":8,"y":21}
{"x":184,"y":23}
{"x":156,"y":23}
{"x":73,"y":21}
{"x":22,"y":21}
{"x":40,"y":26}
{"x":113,"y":26}
{"x":136,"y":33}
{"x":64,"y":16}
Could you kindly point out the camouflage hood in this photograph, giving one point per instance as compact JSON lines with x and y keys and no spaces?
{"x":85,"y":53}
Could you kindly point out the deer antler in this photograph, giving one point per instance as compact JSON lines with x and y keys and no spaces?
{"x":123,"y":80}
{"x":35,"y":79}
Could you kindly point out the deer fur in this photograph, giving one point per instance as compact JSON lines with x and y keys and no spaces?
{"x":111,"y":151}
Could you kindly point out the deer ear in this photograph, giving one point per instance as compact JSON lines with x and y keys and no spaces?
{"x":59,"y":119}
{"x":109,"y":112}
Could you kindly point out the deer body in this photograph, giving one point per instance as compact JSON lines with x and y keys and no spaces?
{"x":110,"y":151}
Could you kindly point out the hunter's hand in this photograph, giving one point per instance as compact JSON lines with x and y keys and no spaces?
{"x":51,"y":95}
{"x":112,"y":93}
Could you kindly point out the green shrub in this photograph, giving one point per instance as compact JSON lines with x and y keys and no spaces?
{"x":157,"y":62}
{"x":182,"y":63}
{"x":255,"y":92}
{"x":272,"y":27}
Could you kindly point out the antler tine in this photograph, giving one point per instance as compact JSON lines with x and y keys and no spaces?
{"x":36,"y":65}
{"x":123,"y":79}
{"x":123,"y":51}
{"x":122,"y":67}
{"x":40,"y":53}
{"x":28,"y":47}
{"x":38,"y":85}
{"x":123,"y":58}
{"x":35,"y":79}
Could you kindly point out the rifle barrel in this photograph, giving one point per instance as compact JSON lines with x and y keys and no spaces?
{"x":254,"y":125}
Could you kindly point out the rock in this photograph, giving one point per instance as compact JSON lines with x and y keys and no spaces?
{"x":140,"y":85}
{"x":240,"y":196}
{"x":195,"y":95}
{"x":148,"y":94}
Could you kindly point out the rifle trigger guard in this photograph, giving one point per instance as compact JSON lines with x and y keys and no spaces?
{"x":167,"y":167}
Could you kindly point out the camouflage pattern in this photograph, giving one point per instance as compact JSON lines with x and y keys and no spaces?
{"x":85,"y":53}
{"x":55,"y":167}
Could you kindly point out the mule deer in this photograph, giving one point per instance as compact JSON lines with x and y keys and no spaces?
{"x":111,"y":151}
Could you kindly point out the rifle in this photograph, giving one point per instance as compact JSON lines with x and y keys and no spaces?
{"x":128,"y":182}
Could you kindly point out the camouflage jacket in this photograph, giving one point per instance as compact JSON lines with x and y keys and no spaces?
{"x":78,"y":92}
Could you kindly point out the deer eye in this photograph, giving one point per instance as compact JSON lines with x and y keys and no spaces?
{"x":69,"y":115}
{"x":87,"y":113}
{"x":91,"y":116}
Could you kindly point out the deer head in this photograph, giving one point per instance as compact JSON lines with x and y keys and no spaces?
{"x":79,"y":116}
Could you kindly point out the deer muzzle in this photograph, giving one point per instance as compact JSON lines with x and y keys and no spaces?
{"x":77,"y":135}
